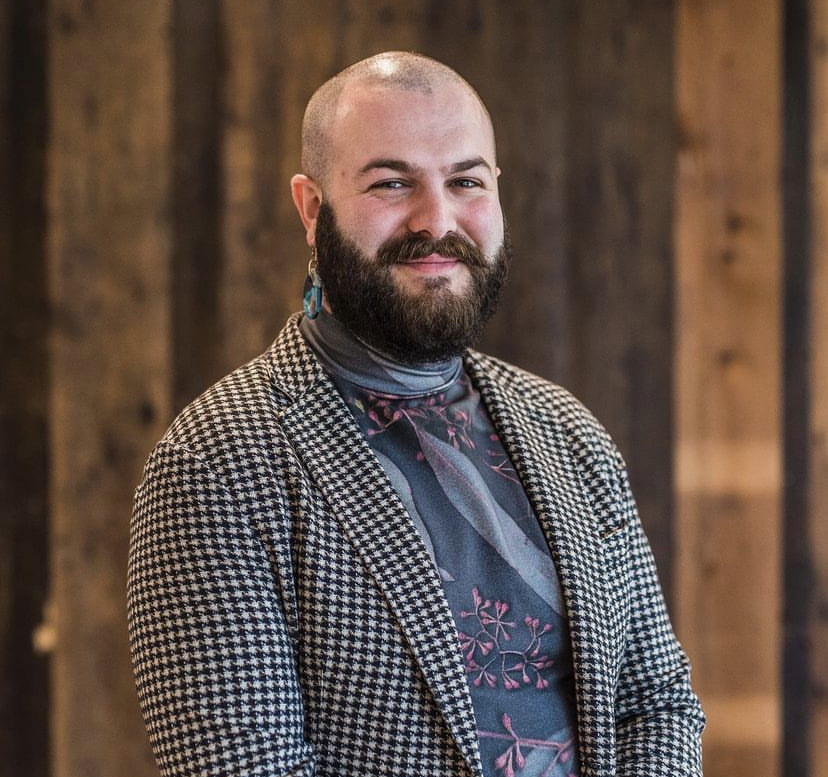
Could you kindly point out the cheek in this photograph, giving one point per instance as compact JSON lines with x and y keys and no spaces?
{"x":484,"y":222}
{"x":370,"y":226}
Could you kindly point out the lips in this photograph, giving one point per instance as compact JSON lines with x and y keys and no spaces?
{"x":433,"y":263}
{"x":433,"y":259}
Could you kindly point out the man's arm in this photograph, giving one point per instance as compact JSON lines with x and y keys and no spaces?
{"x":658,"y":717}
{"x":213,"y":658}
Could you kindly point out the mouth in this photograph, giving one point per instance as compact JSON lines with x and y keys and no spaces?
{"x":432,"y":262}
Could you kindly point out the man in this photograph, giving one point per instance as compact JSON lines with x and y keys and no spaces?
{"x":371,"y":551}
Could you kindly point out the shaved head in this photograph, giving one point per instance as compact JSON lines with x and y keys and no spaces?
{"x":399,"y":70}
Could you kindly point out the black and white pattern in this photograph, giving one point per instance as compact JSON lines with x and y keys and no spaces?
{"x":286,"y":619}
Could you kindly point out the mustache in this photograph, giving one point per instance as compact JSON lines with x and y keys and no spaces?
{"x":410,"y":247}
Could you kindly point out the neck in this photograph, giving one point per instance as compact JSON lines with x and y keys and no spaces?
{"x":348,"y":357}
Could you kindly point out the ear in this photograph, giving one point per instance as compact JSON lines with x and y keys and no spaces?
{"x":307,"y":196}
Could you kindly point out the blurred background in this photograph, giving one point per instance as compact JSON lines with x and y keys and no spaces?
{"x":665,"y":173}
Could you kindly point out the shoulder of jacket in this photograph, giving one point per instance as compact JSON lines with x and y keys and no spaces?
{"x":244,"y":407}
{"x":236,"y":413}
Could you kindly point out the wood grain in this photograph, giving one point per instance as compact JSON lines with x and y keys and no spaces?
{"x":265,"y":257}
{"x":24,"y":387}
{"x":818,"y":392}
{"x":109,"y":257}
{"x":728,"y":373}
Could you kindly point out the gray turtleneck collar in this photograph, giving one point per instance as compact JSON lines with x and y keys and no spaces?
{"x":349,"y":358}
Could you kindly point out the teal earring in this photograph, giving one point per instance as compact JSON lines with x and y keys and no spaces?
{"x":313,"y":295}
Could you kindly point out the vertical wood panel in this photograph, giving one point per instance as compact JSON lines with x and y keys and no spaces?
{"x":265,"y":253}
{"x":797,"y":547}
{"x":519,"y":69}
{"x":818,"y":391}
{"x":620,"y":152}
{"x":24,"y":444}
{"x":109,"y":273}
{"x":728,"y":458}
{"x":197,"y":197}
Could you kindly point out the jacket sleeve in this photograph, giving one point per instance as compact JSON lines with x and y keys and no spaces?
{"x":213,"y":659}
{"x":659,"y":720}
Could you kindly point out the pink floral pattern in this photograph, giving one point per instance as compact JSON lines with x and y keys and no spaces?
{"x":513,"y":756}
{"x":454,"y":422}
{"x":500,"y":463}
{"x":494,"y":651}
{"x":384,"y":413}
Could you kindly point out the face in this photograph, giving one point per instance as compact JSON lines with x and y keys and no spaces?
{"x":413,"y":185}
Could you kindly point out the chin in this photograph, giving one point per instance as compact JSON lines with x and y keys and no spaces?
{"x":454,"y":284}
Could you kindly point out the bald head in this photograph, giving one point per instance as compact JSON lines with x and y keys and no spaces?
{"x":397,"y":70}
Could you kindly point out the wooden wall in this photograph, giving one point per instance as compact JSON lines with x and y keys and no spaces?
{"x":806,"y":389}
{"x":815,"y":524}
{"x":24,"y":386}
{"x":728,"y":373}
{"x":816,"y":437}
{"x":664,"y":271}
{"x":109,"y":268}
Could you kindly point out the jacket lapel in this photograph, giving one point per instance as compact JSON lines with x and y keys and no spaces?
{"x":544,"y":459}
{"x":328,"y":440}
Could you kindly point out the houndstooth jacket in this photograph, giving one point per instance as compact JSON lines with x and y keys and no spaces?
{"x":285,"y":618}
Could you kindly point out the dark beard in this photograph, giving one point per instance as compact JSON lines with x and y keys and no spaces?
{"x":431,"y":326}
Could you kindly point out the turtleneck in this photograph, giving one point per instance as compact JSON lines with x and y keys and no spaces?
{"x":345,"y":356}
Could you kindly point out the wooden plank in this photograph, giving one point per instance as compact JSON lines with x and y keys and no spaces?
{"x":265,"y":257}
{"x":109,"y":255}
{"x":519,"y":75}
{"x":797,"y":545}
{"x":24,"y":439}
{"x":728,"y":373}
{"x":818,"y":390}
{"x":620,"y":152}
{"x":197,"y":198}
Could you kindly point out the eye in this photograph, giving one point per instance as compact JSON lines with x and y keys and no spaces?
{"x":465,"y":183}
{"x":391,"y":184}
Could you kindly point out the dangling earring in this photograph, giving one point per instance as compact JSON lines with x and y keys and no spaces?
{"x":313,"y":296}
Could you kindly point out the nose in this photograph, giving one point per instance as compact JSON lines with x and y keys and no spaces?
{"x":432,"y":213}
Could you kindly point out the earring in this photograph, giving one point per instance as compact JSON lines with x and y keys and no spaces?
{"x":313,"y":295}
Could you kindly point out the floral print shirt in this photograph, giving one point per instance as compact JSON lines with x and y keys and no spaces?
{"x":433,"y":436}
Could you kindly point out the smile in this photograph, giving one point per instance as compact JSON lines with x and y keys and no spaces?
{"x":432,"y":263}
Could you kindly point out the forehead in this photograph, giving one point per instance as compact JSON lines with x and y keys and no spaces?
{"x":430,"y":125}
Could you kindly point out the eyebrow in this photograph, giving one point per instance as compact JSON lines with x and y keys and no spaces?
{"x":469,"y":164}
{"x":402,"y":166}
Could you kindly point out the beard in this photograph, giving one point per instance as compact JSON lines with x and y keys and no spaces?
{"x":431,"y":325}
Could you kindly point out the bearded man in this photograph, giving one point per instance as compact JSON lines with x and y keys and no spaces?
{"x":373,"y":551}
